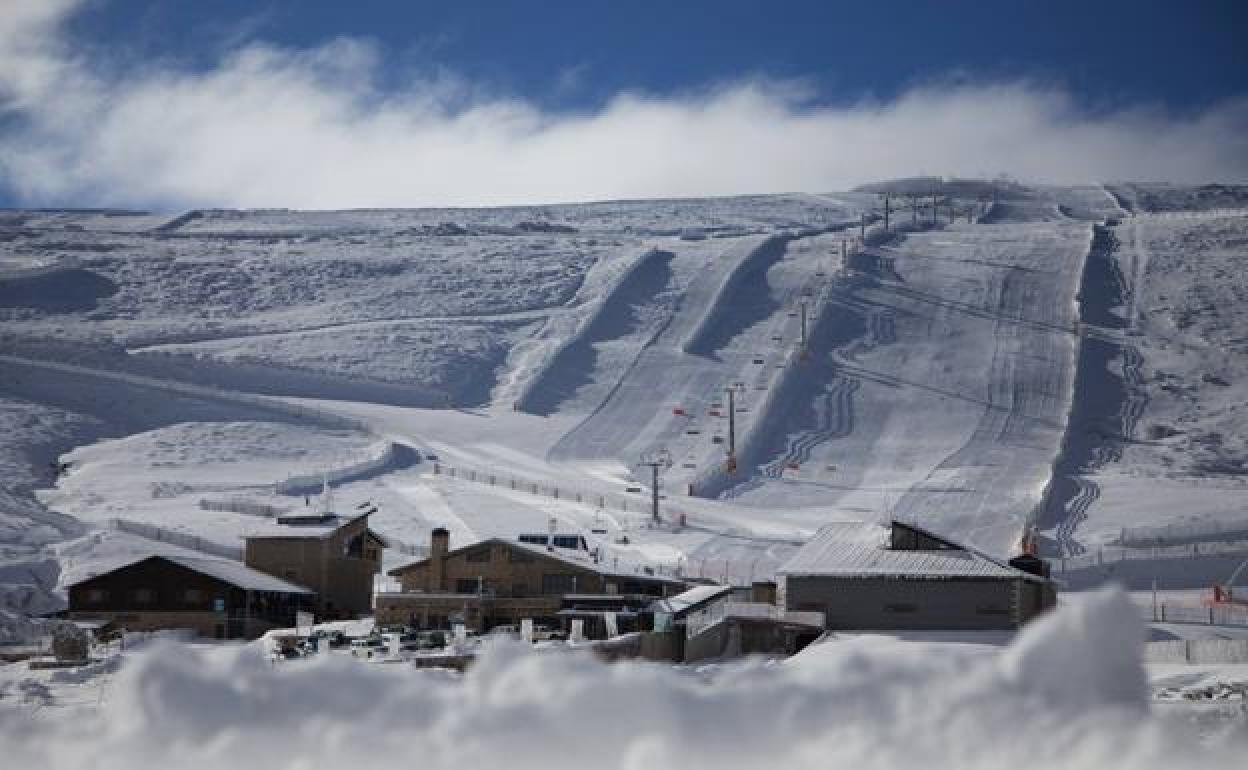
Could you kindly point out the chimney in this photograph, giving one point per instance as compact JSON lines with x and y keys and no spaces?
{"x":439,"y":544}
{"x":1032,"y":564}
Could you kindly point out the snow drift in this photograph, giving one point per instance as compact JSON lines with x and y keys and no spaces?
{"x":1068,"y":693}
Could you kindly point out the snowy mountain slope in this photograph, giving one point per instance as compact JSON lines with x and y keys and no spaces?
{"x":947,"y":378}
{"x":1173,"y":367}
{"x":936,"y":383}
{"x":632,"y":419}
{"x":401,"y":307}
{"x":625,"y":320}
{"x":455,"y":360}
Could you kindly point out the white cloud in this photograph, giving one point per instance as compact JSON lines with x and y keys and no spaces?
{"x":271,"y":126}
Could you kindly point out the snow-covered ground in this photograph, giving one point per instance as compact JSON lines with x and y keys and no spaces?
{"x":1070,"y":358}
{"x":1165,"y":418}
{"x":1069,"y":692}
{"x":208,"y":356}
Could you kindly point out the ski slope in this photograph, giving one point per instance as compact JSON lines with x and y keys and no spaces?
{"x":1063,"y":358}
{"x":1164,"y":445}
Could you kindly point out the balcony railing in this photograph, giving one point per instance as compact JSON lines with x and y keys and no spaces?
{"x":699,"y":621}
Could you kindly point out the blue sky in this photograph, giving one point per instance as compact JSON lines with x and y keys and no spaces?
{"x":578,"y":53}
{"x":176,"y":103}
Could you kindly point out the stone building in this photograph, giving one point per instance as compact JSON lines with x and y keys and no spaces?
{"x":498,"y":581}
{"x":865,"y":576}
{"x":212,"y":597}
{"x":335,"y":556}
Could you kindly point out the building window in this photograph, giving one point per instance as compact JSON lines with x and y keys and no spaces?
{"x":144,"y":596}
{"x":558,"y":584}
{"x":355,"y":546}
{"x":520,"y":557}
{"x":192,"y":596}
{"x":479,"y":555}
{"x":97,"y":595}
{"x":466,"y":586}
{"x":900,"y":607}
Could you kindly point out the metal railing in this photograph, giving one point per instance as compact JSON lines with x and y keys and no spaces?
{"x":1114,"y":554}
{"x":718,"y":612}
{"x":1210,"y":615}
{"x":638,"y":508}
{"x":631,"y":514}
{"x":1199,"y":651}
{"x":1184,"y":534}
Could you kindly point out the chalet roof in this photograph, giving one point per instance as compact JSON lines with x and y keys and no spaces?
{"x":226,"y":570}
{"x":575,"y":558}
{"x":857,"y":549}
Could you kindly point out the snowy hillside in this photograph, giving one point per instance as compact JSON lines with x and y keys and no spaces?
{"x":1162,"y":437}
{"x":1065,"y":358}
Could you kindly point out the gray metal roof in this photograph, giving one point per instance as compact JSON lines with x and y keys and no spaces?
{"x":690,"y":600}
{"x":237,"y":574}
{"x":860,"y":550}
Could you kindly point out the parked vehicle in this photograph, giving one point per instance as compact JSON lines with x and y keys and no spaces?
{"x":422,"y":640}
{"x":366,"y":647}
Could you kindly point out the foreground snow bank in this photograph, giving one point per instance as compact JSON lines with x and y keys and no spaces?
{"x":1069,"y":693}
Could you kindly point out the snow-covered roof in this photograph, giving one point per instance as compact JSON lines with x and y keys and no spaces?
{"x":691,"y":599}
{"x":233,"y":572}
{"x":318,"y":527}
{"x":861,"y":549}
{"x":604,"y":566}
{"x":238,"y":574}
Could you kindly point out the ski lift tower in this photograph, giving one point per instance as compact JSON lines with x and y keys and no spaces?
{"x":802,"y":350}
{"x":658,"y":459}
{"x":732,"y":391}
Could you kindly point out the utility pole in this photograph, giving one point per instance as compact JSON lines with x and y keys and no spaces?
{"x":886,"y":212}
{"x":803,"y":327}
{"x":914,"y":208}
{"x":660,"y":459}
{"x":844,"y":254}
{"x":862,"y":229}
{"x":731,"y":390}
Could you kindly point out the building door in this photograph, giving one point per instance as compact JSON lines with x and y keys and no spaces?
{"x":220,"y":631}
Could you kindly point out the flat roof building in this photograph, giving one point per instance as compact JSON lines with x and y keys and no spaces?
{"x":866,"y":576}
